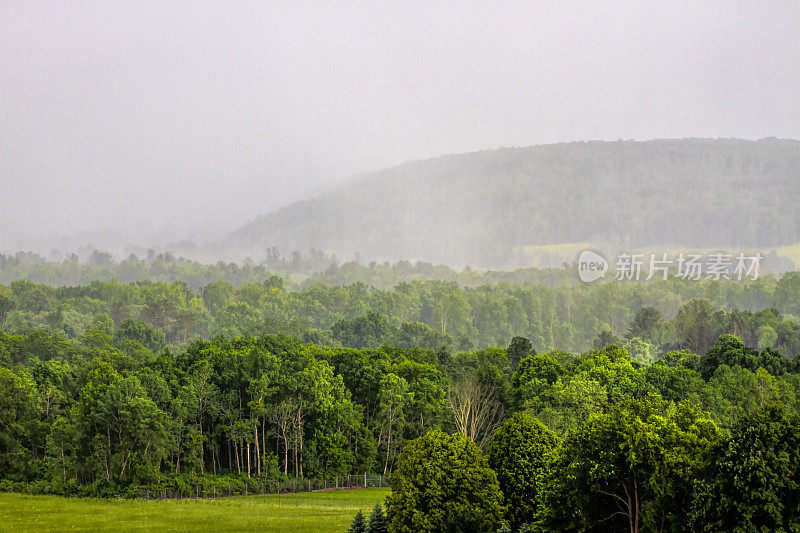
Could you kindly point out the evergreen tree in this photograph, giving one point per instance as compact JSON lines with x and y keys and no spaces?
{"x":377,"y":521}
{"x":358,"y":525}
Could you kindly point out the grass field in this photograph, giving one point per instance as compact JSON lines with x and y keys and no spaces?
{"x":331,"y":510}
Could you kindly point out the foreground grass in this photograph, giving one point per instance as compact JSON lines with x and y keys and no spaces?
{"x":315,"y":511}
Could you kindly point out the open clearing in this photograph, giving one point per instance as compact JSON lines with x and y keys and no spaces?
{"x":331,"y":510}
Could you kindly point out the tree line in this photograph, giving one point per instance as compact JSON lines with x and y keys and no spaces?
{"x":649,"y":319}
{"x":304,"y":268}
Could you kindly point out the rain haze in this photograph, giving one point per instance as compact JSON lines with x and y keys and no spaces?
{"x":306,"y":267}
{"x":151,"y":122}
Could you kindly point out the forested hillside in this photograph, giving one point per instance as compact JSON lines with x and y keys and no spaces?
{"x":481,"y":208}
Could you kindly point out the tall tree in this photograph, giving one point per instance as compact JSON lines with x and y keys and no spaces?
{"x":519,"y":452}
{"x":443,"y":483}
{"x":646,"y":324}
{"x":519,"y":348}
{"x":393,"y":398}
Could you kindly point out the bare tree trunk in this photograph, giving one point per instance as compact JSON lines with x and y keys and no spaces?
{"x":236,"y":450}
{"x":283,"y":418}
{"x":202,"y":448}
{"x":388,"y":449}
{"x":258,"y":453}
{"x":285,"y":455}
{"x":301,"y":456}
{"x":108,"y":474}
{"x":630,"y":509}
{"x":298,"y":421}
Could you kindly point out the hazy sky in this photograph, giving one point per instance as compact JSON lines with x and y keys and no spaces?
{"x":165,"y":119}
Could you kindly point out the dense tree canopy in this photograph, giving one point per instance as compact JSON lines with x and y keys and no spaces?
{"x":459,"y":394}
{"x":751,"y":483}
{"x":648,"y":319}
{"x":630,"y":468}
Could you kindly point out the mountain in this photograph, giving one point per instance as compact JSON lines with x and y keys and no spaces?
{"x":487,"y":208}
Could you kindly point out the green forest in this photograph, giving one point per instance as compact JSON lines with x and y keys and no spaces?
{"x":519,"y":404}
{"x":394,"y":267}
{"x":359,"y":307}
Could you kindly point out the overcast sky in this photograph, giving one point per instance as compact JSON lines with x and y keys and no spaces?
{"x":169,"y":119}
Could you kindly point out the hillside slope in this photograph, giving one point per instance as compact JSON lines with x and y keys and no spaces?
{"x":480,"y":208}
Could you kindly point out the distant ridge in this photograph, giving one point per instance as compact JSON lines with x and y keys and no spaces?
{"x":480,"y":208}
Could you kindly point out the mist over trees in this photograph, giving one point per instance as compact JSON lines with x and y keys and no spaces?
{"x":492,"y":401}
{"x":481,"y":208}
{"x":256,"y":249}
{"x":648,"y":319}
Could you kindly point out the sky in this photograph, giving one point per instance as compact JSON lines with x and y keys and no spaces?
{"x":150,"y":122}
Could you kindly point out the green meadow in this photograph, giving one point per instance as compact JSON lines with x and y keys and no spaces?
{"x":331,"y":510}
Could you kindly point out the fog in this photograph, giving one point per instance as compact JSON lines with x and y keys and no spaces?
{"x":151,"y":122}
